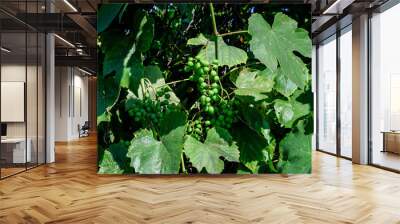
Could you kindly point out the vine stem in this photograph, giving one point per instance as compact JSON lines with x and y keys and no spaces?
{"x":233,"y":33}
{"x":213,"y":19}
{"x":214,"y":23}
{"x":173,"y":82}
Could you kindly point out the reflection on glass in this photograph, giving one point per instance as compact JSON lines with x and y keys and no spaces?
{"x":346,"y":92}
{"x":327,"y":96}
{"x":385,"y":86}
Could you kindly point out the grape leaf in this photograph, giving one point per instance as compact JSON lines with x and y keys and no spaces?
{"x":296,"y":152}
{"x":254,"y":84}
{"x":276,"y":44}
{"x":284,"y":85}
{"x":150,"y":156}
{"x":106,"y":14}
{"x":288,"y":112}
{"x":207,"y":155}
{"x":107,"y":94}
{"x":114,"y":160}
{"x":227,"y":55}
{"x":199,"y":40}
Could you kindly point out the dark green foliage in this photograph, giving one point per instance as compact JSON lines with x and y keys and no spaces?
{"x":176,"y":97}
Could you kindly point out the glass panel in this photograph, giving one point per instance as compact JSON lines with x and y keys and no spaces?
{"x":13,"y":86}
{"x":31,"y":100}
{"x":346,"y":93}
{"x":385,"y":84}
{"x":327,"y":95}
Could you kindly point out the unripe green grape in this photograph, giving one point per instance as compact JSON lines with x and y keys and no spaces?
{"x":189,"y":129}
{"x":216,"y":91}
{"x":215,"y":78}
{"x":215,"y":61}
{"x":211,"y":110}
{"x":197,"y":130}
{"x":200,"y":72}
{"x":213,"y":73}
{"x":214,"y":98}
{"x":206,"y":69}
{"x":208,"y":99}
{"x":198,"y":125}
{"x":186,"y":69}
{"x":214,"y":85}
{"x":201,"y":79}
{"x":197,"y":65}
{"x":190,"y":63}
{"x":208,"y":123}
{"x":190,"y":58}
{"x":205,"y":63}
{"x":197,"y":57}
{"x":210,"y":92}
{"x":203,"y":85}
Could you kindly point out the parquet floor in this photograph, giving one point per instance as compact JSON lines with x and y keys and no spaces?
{"x":70,"y":191}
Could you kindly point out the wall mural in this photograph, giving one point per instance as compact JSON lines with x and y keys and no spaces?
{"x":203,"y":88}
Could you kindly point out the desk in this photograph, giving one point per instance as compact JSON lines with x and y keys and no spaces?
{"x":391,"y":141}
{"x":16,"y":147}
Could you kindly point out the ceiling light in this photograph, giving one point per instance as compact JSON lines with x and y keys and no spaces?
{"x":84,"y":71}
{"x":70,"y":5}
{"x":64,"y":40}
{"x":5,"y":50}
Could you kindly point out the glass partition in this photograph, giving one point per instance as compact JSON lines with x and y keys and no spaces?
{"x":22,"y":77}
{"x":327,"y":95}
{"x":346,"y":92}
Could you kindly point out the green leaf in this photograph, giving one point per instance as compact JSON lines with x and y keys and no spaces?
{"x":254,"y":84}
{"x":255,"y":120}
{"x":227,"y":55}
{"x":199,"y":40}
{"x":107,"y":94}
{"x":288,"y":112}
{"x":252,"y":147}
{"x":207,"y":155}
{"x":284,"y":85}
{"x":106,"y":15}
{"x":114,"y":160}
{"x":296,"y":153}
{"x":276,"y":44}
{"x":114,"y":52}
{"x":150,"y":156}
{"x":108,"y":165}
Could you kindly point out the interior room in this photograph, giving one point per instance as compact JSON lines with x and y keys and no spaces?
{"x":49,"y":88}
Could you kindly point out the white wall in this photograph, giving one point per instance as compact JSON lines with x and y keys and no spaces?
{"x":71,"y":94}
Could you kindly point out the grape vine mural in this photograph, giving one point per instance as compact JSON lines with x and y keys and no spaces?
{"x":204,"y":89}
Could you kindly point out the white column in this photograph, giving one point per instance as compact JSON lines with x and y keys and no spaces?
{"x":360,"y":90}
{"x":50,"y":100}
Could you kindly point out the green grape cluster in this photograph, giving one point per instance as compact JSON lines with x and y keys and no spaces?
{"x":215,"y":110}
{"x":147,"y":111}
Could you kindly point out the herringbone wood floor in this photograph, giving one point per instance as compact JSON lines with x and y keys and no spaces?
{"x":70,"y":191}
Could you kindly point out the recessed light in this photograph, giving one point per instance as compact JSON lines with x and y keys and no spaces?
{"x":70,"y":5}
{"x":5,"y":50}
